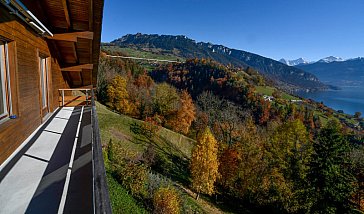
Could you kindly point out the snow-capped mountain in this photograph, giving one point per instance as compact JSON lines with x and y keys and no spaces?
{"x":340,"y":73}
{"x":294,"y":62}
{"x":331,"y":59}
{"x":301,"y":61}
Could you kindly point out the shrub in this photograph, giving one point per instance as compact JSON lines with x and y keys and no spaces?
{"x":133,"y":177}
{"x":155,"y":182}
{"x":166,"y":201}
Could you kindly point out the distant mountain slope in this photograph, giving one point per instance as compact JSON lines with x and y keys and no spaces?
{"x":341,"y":73}
{"x":286,"y":77}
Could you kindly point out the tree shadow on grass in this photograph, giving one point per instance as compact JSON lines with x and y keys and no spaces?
{"x":170,"y":161}
{"x":139,"y":136}
{"x":173,"y":167}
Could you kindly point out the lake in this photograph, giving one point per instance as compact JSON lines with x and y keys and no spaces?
{"x":348,"y":99}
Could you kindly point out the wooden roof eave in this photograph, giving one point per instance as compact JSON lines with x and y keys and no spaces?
{"x":75,"y":42}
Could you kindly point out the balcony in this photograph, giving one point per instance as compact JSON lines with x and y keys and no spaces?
{"x":59,"y":168}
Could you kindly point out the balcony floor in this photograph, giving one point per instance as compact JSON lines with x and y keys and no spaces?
{"x":52,"y":173}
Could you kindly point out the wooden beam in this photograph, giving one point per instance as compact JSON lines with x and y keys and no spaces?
{"x":66,"y":13}
{"x":91,"y":15}
{"x":72,"y":37}
{"x":81,"y":77}
{"x":91,"y":27}
{"x":74,"y":50}
{"x":78,"y":67}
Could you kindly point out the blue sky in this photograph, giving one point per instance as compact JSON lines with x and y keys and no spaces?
{"x":311,"y":29}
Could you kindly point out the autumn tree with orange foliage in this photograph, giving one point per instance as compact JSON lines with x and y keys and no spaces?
{"x":251,"y":162}
{"x":184,"y":116}
{"x":140,"y":92}
{"x":262,"y":111}
{"x":204,"y":164}
{"x":228,"y":167}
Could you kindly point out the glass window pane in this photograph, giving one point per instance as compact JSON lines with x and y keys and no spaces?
{"x":43,"y":81}
{"x":2,"y":79}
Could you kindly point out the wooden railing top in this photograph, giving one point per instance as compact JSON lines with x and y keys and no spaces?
{"x":75,"y":89}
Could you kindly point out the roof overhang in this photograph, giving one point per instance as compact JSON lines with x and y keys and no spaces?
{"x":72,"y":29}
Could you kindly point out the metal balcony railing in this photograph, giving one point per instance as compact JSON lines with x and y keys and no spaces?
{"x":75,"y":96}
{"x":101,"y":193}
{"x":86,"y":97}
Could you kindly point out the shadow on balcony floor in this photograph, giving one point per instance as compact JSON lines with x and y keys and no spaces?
{"x":52,"y":173}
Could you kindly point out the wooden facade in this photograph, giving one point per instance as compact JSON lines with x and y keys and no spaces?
{"x":70,"y":55}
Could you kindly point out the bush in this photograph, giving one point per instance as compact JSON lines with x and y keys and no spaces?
{"x":117,"y":154}
{"x":133,"y":177}
{"x":166,"y":201}
{"x":155,"y":182}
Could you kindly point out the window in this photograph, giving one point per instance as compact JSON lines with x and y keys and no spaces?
{"x":5,"y":96}
{"x":43,"y":80}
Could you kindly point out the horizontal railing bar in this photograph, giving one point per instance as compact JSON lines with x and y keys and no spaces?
{"x":68,"y":100}
{"x":75,"y":89}
{"x":74,"y":100}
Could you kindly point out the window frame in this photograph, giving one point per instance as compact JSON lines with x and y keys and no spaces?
{"x":5,"y":81}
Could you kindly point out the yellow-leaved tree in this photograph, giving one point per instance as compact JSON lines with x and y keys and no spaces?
{"x":118,"y":95}
{"x":166,"y":201}
{"x":204,"y":163}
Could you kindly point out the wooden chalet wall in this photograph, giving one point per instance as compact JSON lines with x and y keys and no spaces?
{"x":24,"y":49}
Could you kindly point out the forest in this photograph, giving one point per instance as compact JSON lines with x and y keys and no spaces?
{"x":249,"y":154}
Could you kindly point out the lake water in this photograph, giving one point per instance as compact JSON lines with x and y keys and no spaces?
{"x":348,"y":99}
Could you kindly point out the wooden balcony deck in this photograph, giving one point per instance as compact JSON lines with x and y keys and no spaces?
{"x":57,"y":169}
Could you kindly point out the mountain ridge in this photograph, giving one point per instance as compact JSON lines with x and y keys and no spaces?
{"x":294,"y":62}
{"x":330,"y":59}
{"x":299,"y":61}
{"x":342,"y":73}
{"x":287,"y":77}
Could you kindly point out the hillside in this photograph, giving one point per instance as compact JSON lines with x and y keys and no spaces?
{"x":340,"y":73}
{"x":172,"y":153}
{"x":286,"y":77}
{"x":246,"y":146}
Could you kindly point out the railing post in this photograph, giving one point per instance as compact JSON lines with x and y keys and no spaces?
{"x":86,"y":97}
{"x":62,"y":97}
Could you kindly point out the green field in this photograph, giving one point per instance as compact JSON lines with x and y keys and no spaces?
{"x":267,"y":90}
